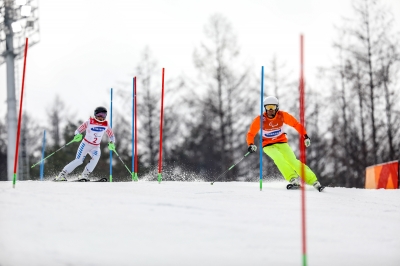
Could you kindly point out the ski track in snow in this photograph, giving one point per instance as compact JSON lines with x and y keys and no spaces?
{"x":194,"y":223}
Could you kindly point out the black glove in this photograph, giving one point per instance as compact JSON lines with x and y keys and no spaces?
{"x":252,"y":148}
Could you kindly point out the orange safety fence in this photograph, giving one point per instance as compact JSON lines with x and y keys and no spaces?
{"x":385,"y":175}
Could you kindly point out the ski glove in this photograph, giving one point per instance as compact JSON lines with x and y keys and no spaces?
{"x":307,"y":141}
{"x":252,"y":148}
{"x":78,"y":137}
{"x":111,"y":146}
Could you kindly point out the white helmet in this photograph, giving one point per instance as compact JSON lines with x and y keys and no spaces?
{"x":271,"y":100}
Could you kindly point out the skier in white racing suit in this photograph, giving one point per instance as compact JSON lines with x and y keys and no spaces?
{"x":95,"y":128}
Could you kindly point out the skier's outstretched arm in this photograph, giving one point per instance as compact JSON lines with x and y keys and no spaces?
{"x":78,"y":132}
{"x":111,"y":139}
{"x":110,"y":134}
{"x":291,"y":121}
{"x":81,"y":128}
{"x":253,"y":130}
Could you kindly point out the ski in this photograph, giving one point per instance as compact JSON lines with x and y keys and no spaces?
{"x":88,"y":180}
{"x":291,"y":186}
{"x":83,"y":180}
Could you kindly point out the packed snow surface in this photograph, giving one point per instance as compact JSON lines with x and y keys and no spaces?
{"x":194,"y":223}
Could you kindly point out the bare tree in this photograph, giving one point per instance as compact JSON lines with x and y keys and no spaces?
{"x":277,"y":79}
{"x":373,"y":22}
{"x":222,"y":102}
{"x":55,"y":117}
{"x":363,"y":87}
{"x":360,"y":92}
{"x":29,"y":142}
{"x":148,"y":109}
{"x":389,"y":64}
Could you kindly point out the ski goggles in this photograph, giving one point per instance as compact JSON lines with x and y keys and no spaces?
{"x":103,"y":115}
{"x":270,"y":107}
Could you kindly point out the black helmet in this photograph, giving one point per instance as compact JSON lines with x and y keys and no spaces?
{"x":100,"y":109}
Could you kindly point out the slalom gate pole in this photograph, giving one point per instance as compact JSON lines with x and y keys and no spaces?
{"x":133,"y":129}
{"x":111,"y":93}
{"x":62,"y":147}
{"x":20,"y":115}
{"x":136,"y":135}
{"x":122,"y":162}
{"x":161,"y":129}
{"x":302,"y":155}
{"x":230,"y":168}
{"x":261,"y":125}
{"x":42,"y":163}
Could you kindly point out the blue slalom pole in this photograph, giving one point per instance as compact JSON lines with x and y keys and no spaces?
{"x":111,"y":127}
{"x":42,"y":163}
{"x":261,"y":124}
{"x":134,"y":176}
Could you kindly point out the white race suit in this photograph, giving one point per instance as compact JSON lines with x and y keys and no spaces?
{"x":90,"y":144}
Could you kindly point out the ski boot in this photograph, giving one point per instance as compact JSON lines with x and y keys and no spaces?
{"x":294,"y":183}
{"x":85,"y":176}
{"x":62,"y":176}
{"x":318,"y":186}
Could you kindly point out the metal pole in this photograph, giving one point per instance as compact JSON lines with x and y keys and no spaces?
{"x":11,"y":100}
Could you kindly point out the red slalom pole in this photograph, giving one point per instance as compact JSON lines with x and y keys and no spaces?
{"x":20,"y":115}
{"x":136,"y":135}
{"x":159,"y":177}
{"x":134,"y":175}
{"x":302,"y":155}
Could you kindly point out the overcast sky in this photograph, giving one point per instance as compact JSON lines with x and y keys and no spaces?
{"x":87,"y":47}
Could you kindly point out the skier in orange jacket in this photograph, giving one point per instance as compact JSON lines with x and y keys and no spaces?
{"x":274,"y":142}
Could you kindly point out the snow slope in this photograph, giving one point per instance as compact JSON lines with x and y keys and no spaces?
{"x":194,"y":223}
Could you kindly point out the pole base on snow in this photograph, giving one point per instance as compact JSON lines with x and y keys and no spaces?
{"x":159,"y":177}
{"x":110,"y":178}
{"x":304,"y":259}
{"x":14,"y":179}
{"x":134,"y":177}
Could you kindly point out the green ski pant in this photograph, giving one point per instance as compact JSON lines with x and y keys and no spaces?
{"x":287,"y":163}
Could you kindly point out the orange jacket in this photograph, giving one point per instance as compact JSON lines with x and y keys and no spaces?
{"x":272,"y":128}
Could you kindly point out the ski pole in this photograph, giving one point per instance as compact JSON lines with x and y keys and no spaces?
{"x":122,"y":162}
{"x":230,"y":168}
{"x":77,"y":138}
